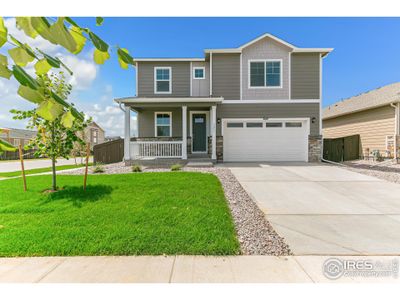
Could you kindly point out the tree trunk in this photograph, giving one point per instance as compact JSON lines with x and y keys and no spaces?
{"x":53,"y":167}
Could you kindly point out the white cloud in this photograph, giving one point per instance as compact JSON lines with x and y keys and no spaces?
{"x":85,"y":71}
{"x":111,"y":119}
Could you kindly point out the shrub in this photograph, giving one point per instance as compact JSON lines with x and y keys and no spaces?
{"x":136,"y":168}
{"x":176,"y":167}
{"x":98,"y":168}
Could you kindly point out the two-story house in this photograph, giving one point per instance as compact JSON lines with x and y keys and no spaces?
{"x":258,"y":102}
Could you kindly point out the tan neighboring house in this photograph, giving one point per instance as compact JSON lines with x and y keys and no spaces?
{"x":94,"y":134}
{"x":373,"y":115}
{"x":16,"y":136}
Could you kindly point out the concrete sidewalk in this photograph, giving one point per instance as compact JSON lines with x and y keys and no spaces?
{"x":175,"y":269}
{"x":12,"y":166}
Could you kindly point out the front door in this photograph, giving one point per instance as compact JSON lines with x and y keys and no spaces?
{"x":199,"y":132}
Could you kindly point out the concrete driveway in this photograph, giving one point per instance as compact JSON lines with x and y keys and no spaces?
{"x":325,"y":210}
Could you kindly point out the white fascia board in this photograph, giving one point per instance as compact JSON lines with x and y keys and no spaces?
{"x":227,"y":50}
{"x":169,"y":100}
{"x":169,"y":59}
{"x":283,"y":101}
{"x":270,"y":36}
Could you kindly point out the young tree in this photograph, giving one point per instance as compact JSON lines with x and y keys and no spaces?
{"x":57,"y":132}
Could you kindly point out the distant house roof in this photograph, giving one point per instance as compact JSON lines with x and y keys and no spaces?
{"x":375,"y":98}
{"x":18,"y":133}
{"x":94,"y":124}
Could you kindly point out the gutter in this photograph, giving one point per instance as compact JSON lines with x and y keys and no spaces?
{"x":396,"y":106}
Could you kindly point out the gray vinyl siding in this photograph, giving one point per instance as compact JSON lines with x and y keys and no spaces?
{"x":180,"y":79}
{"x":305,"y":68}
{"x":226,"y":76}
{"x":266,"y":48}
{"x":146,"y":121}
{"x":262,"y":110}
{"x":201,"y":87}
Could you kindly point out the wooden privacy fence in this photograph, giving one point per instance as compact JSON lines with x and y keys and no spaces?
{"x":342,"y":149}
{"x":8,"y":155}
{"x":109,"y":152}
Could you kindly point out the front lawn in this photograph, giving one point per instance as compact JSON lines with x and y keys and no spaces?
{"x":126,"y":214}
{"x":41,"y":170}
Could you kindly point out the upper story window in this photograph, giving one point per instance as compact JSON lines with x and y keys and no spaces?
{"x":162,"y":80}
{"x":265,"y":74}
{"x":94,"y":136}
{"x":199,"y":73}
{"x":163,"y":124}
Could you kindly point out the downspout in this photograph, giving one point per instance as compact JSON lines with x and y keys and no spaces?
{"x":396,"y":107}
{"x":120,"y":107}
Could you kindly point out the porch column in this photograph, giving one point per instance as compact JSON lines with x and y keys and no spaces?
{"x":213,"y":132}
{"x":127,"y":135}
{"x":184,"y":132}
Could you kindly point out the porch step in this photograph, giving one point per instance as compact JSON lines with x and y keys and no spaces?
{"x":199,"y":164}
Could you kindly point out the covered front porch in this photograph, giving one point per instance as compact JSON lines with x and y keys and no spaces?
{"x":171,"y":129}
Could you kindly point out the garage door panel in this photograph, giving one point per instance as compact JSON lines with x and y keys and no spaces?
{"x":266,"y":143}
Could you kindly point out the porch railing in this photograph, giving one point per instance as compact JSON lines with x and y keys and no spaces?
{"x":156,"y":149}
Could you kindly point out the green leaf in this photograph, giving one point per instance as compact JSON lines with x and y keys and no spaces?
{"x":65,"y":67}
{"x":54,"y":62}
{"x":98,"y":42}
{"x":67,"y":119}
{"x":74,"y":112}
{"x":79,"y":38}
{"x":24,"y":23}
{"x":6,"y":146}
{"x":20,"y":56}
{"x":71,"y":21}
{"x":100,"y":57}
{"x":24,"y":78}
{"x":3,"y":60}
{"x":34,"y":96}
{"x":42,"y":26}
{"x":99,"y":21}
{"x":62,"y":36}
{"x":124,"y":58}
{"x":3,"y":32}
{"x":42,"y":67}
{"x":49,"y":110}
{"x":5,"y":72}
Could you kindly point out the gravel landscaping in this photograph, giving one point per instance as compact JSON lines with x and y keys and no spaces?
{"x":388,"y":170}
{"x":255,"y":233}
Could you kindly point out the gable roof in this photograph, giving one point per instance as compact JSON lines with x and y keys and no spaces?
{"x":371,"y":99}
{"x":323,"y":51}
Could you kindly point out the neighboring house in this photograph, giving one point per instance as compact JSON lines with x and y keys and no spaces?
{"x":16,"y":136}
{"x":94,"y":134}
{"x":373,"y":115}
{"x":258,"y":102}
{"x":111,"y":138}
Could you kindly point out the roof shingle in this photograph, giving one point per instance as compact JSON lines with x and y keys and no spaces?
{"x":375,"y":98}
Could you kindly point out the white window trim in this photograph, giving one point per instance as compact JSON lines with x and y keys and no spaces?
{"x":207,"y":113}
{"x":265,"y":68}
{"x":199,"y":68}
{"x":170,"y":122}
{"x":155,"y":80}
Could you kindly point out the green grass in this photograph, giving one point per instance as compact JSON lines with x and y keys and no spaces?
{"x":41,"y":170}
{"x":125,"y":214}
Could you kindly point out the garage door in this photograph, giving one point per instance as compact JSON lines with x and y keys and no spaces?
{"x":256,"y":140}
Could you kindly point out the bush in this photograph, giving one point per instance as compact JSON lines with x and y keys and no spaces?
{"x":176,"y":167}
{"x":136,"y":168}
{"x":98,"y":168}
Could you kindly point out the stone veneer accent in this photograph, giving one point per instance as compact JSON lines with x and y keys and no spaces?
{"x":314,"y":148}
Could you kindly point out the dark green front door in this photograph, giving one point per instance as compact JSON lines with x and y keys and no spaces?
{"x":199,"y":131}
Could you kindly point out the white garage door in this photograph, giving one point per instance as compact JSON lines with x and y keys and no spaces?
{"x":272,"y":140}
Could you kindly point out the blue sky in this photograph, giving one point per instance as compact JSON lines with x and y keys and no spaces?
{"x":366,"y":54}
